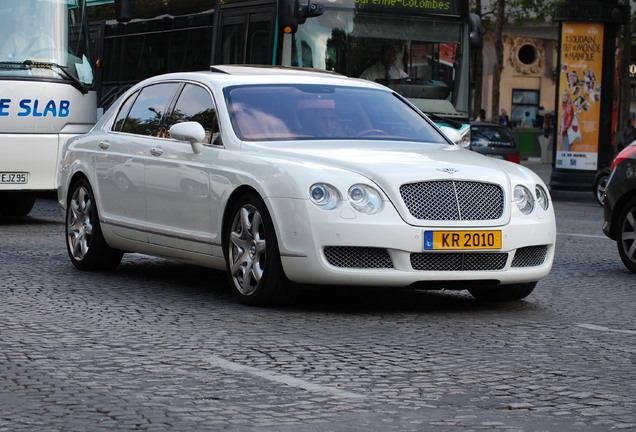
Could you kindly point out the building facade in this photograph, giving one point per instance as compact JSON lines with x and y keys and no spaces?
{"x":529,"y":75}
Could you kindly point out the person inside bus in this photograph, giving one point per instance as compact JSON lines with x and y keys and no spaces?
{"x":26,"y":41}
{"x":385,"y":70}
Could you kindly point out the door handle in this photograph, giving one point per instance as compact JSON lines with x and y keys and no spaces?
{"x":156,"y":151}
{"x":104,"y":145}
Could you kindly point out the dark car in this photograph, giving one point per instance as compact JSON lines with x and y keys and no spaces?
{"x":620,"y":205}
{"x":494,"y":140}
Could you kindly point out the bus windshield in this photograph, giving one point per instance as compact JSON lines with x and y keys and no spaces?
{"x":420,"y":57}
{"x":44,"y":39}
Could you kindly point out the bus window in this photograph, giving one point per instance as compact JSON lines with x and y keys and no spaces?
{"x":429,"y":67}
{"x":245,"y":36}
{"x":258,"y":43}
{"x":232,"y":41}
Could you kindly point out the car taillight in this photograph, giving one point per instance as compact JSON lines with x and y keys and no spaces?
{"x":514,"y":157}
{"x":626,"y":153}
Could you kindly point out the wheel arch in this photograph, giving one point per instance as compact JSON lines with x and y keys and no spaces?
{"x":617,"y":210}
{"x":229,"y":204}
{"x":77,"y":176}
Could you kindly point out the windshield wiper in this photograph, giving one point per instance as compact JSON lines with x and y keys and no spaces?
{"x":435,"y":117}
{"x":30,"y":64}
{"x":452,"y":123}
{"x":46,"y":65}
{"x":13,"y":65}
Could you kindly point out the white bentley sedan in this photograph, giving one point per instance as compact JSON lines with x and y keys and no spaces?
{"x":284,"y":177}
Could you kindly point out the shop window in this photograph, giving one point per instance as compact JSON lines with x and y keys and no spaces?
{"x":524,"y":101}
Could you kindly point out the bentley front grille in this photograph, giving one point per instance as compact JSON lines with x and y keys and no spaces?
{"x":451,"y":200}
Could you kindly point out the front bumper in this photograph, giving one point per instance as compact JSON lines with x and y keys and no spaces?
{"x":382,"y":250}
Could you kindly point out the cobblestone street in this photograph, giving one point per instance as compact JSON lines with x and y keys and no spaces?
{"x":159,"y":346}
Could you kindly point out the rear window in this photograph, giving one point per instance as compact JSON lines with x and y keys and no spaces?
{"x":489,"y":136}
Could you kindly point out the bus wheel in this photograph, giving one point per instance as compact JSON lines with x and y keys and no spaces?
{"x":84,"y":240}
{"x":17,"y":203}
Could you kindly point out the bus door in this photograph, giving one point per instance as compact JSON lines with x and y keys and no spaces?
{"x":244,"y":34}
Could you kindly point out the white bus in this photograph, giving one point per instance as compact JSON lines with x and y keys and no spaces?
{"x":46,"y":94}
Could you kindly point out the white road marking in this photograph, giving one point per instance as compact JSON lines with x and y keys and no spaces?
{"x":607,"y":329}
{"x":280,"y":378}
{"x":584,"y":235}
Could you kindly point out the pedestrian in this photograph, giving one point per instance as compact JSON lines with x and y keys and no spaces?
{"x":504,"y":120}
{"x":627,"y":135}
{"x":548,"y":127}
{"x":526,"y":121}
{"x":482,"y":115}
{"x":539,"y":118}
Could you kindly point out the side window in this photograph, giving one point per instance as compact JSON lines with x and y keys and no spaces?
{"x":195,"y":104}
{"x":148,"y":109}
{"x":123,"y":112}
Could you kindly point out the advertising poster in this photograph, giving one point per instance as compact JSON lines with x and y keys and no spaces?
{"x":578,"y":110}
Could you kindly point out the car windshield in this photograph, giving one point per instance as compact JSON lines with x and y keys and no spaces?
{"x":490,"y":136}
{"x":279,"y":112}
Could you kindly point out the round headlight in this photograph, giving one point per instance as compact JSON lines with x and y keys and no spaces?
{"x":324,"y":195}
{"x":523,"y":199}
{"x":365,"y":199}
{"x":542,"y":197}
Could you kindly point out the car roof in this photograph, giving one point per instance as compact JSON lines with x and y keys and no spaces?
{"x":238,"y":74}
{"x":268,"y":70}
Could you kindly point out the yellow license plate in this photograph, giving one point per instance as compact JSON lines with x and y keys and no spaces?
{"x":462,"y":240}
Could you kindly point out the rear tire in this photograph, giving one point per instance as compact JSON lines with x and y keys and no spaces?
{"x":84,"y":240}
{"x":512,"y":292}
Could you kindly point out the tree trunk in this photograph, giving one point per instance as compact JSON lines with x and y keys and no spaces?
{"x":500,"y":18}
{"x":478,"y":71}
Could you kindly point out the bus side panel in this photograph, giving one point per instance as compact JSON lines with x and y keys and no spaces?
{"x":34,"y":155}
{"x":36,"y":119}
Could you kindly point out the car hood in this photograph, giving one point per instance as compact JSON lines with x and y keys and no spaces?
{"x":392,"y":163}
{"x":395,"y":164}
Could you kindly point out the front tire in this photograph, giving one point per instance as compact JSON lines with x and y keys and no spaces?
{"x":512,"y":292}
{"x":253,"y":261}
{"x":84,"y":240}
{"x":626,"y":235}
